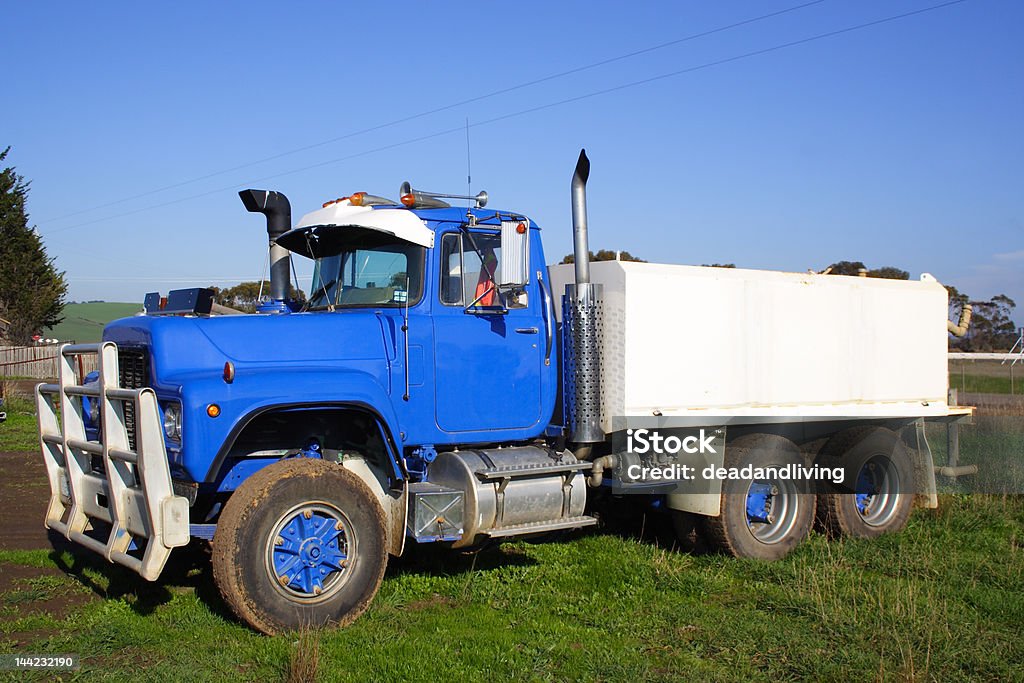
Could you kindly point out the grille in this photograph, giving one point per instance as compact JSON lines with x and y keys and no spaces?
{"x":133,"y":373}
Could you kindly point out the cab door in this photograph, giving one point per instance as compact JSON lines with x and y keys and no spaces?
{"x":487,"y":358}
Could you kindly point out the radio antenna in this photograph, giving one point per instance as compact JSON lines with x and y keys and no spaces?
{"x":469,"y":168}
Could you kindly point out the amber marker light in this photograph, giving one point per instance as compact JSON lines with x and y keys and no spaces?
{"x":213,"y":410}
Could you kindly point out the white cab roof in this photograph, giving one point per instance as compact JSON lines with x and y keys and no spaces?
{"x":401,"y":223}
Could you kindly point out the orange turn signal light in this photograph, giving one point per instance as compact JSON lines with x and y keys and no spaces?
{"x":356,"y":199}
{"x":521,"y":228}
{"x":408,"y":199}
{"x":213,"y":410}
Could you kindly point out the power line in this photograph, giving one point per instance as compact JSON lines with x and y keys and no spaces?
{"x":446,"y":107}
{"x":531,"y":110}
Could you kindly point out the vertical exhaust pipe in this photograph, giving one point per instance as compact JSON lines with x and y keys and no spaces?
{"x":580,"y":242}
{"x":581,"y":315}
{"x":278,"y":211}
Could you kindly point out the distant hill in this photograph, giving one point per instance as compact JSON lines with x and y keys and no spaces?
{"x":84,"y":323}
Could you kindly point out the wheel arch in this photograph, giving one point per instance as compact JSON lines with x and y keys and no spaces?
{"x":309,"y":411}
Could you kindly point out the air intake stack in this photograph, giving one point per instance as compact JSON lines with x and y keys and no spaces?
{"x":581,"y":330}
{"x":278,"y":211}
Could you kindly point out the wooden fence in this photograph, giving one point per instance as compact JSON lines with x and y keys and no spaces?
{"x":38,"y":361}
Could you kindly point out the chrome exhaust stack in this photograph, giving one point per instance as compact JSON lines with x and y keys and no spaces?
{"x":581,"y":329}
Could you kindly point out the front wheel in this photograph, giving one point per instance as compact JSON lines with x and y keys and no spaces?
{"x":762,"y":517}
{"x":300,"y":544}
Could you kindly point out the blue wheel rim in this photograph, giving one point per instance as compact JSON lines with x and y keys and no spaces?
{"x":772,"y":509}
{"x":309,"y":552}
{"x":877,"y":492}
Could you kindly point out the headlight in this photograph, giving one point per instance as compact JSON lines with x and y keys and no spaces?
{"x":172,"y":421}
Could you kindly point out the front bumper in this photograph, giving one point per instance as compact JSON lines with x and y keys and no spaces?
{"x":132,"y":494}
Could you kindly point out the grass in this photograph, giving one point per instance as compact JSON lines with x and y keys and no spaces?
{"x":18,"y":432}
{"x":985,"y":384}
{"x":84,"y":322}
{"x":940,"y":601}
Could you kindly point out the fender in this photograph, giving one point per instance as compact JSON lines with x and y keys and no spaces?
{"x":257,"y":391}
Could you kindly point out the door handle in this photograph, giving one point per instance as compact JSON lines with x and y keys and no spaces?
{"x":527,"y":330}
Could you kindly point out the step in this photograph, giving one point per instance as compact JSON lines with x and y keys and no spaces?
{"x":541,"y":527}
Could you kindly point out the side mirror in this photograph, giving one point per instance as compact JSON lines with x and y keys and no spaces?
{"x":515,"y":254}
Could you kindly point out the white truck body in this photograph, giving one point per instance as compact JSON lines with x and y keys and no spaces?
{"x":702,"y":341}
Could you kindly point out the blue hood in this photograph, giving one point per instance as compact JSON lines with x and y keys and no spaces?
{"x":291,"y":341}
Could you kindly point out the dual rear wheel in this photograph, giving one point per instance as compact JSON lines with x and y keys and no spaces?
{"x":767,"y":518}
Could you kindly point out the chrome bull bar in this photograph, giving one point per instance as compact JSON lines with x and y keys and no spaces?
{"x":133,"y":494}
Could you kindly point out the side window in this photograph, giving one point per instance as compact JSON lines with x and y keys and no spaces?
{"x":465,"y":276}
{"x":451,"y":269}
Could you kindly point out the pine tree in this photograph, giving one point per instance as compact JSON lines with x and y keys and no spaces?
{"x":32,"y":290}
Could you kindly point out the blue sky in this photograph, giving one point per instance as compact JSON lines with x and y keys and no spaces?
{"x":899,"y":144}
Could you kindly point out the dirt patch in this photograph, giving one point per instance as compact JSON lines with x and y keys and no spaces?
{"x":37,"y":590}
{"x":26,"y":388}
{"x":24,"y":495}
{"x":434,"y":600}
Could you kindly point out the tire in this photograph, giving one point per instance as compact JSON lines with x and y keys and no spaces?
{"x":277,"y":559}
{"x":762,"y":519}
{"x":877,"y":495}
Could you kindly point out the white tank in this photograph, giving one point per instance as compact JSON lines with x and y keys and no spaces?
{"x":694,"y":341}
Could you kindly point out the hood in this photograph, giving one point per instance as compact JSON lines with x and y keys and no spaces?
{"x":181,"y":346}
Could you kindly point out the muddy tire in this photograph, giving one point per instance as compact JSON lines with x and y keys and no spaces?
{"x":301,"y":544}
{"x":762,"y":519}
{"x":877,"y":495}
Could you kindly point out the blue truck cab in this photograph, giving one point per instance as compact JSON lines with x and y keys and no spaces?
{"x":390,"y":333}
{"x":414,"y":396}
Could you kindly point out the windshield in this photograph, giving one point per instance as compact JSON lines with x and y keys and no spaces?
{"x":388,"y":273}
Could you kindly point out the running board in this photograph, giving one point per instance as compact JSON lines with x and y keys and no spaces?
{"x":541,"y":527}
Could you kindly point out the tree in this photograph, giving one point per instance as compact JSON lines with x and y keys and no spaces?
{"x":246,"y":295}
{"x":846,"y":268}
{"x":32,"y":290}
{"x":855,"y":267}
{"x":889,"y":273}
{"x":991,"y":328}
{"x":605,"y":255}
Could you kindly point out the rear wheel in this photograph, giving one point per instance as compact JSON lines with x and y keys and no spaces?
{"x":878,"y":496}
{"x":762,"y":518}
{"x":302,"y":543}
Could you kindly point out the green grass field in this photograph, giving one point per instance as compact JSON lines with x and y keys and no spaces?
{"x":84,"y":323}
{"x":940,"y":601}
{"x":19,"y":432}
{"x":985,"y":384}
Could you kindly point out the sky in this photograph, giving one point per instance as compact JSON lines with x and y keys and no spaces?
{"x":716,"y":134}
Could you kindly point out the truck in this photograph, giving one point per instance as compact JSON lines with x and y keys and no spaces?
{"x":441,"y":384}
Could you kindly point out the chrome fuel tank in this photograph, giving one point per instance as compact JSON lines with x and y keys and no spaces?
{"x":514,"y":491}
